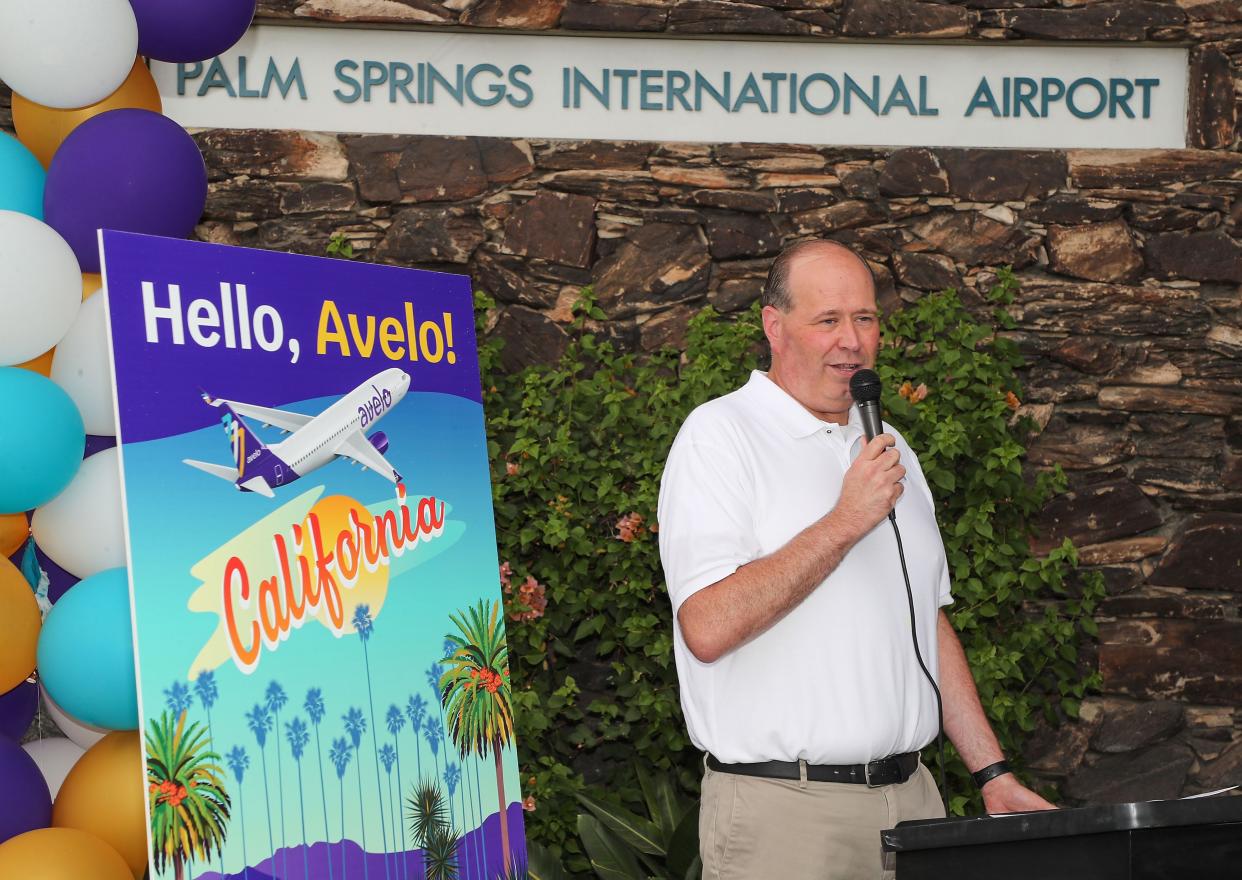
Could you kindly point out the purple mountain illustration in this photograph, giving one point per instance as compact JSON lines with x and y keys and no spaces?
{"x":478,"y":858}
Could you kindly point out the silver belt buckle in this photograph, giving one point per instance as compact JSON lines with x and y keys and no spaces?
{"x":867,"y":776}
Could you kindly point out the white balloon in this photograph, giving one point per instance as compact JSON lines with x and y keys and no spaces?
{"x":81,"y":367}
{"x":81,"y":528}
{"x":55,"y":757}
{"x":66,"y":53}
{"x":40,"y":286}
{"x":85,"y":735}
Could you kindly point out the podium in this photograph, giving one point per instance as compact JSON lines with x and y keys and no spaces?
{"x":1152,"y":840}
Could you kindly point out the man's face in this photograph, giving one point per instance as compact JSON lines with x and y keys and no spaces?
{"x":831,"y":331}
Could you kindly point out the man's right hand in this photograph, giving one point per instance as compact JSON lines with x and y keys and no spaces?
{"x":872,"y":485}
{"x":719,"y":617}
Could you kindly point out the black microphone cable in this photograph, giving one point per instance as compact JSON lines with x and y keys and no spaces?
{"x":918,"y":654}
{"x":865,"y":388}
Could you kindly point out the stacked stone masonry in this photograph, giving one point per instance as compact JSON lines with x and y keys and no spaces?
{"x":1130,"y":310}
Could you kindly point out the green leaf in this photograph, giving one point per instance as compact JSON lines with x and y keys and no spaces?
{"x":661,"y":800}
{"x":540,"y":864}
{"x":610,"y":858}
{"x":695,"y":871}
{"x":943,"y":479}
{"x":632,"y":829}
{"x":683,"y":848}
{"x":588,"y":627}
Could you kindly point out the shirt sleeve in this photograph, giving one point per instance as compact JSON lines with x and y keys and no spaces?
{"x":706,"y":515}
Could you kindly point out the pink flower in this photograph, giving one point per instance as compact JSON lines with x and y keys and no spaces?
{"x":628,"y":527}
{"x":532,"y":601}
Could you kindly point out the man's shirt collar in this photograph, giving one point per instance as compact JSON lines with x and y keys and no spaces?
{"x":793,"y":417}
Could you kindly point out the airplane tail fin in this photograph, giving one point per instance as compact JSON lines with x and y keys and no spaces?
{"x":244,"y":442}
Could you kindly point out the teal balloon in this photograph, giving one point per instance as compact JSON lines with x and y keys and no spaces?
{"x":41,"y":440}
{"x":21,"y":178}
{"x":86,"y":652}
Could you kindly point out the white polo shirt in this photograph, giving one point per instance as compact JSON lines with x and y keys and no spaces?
{"x":835,"y":681}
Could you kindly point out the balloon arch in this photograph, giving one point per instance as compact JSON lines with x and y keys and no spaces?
{"x":92,"y":151}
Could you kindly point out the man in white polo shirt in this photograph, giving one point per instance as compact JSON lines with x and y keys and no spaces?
{"x":792,"y":637}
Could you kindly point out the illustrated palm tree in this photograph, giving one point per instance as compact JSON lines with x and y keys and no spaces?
{"x":207,"y":693}
{"x":205,"y":690}
{"x":434,"y":738}
{"x":315,"y":711}
{"x":447,"y":649}
{"x":298,"y":736}
{"x":239,"y":763}
{"x":452,"y":778}
{"x":259,"y":720}
{"x":478,"y":699}
{"x":425,"y":808}
{"x":434,"y":672}
{"x":432,"y":832}
{"x":476,"y":762}
{"x":178,"y":698}
{"x":339,"y":755}
{"x":364,"y":626}
{"x":186,"y":794}
{"x":388,"y":756}
{"x":356,"y":726}
{"x":480,"y":812}
{"x":416,"y":712}
{"x":276,"y":700}
{"x":394,"y":719}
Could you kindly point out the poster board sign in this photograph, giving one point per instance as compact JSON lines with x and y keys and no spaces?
{"x":323,"y":679}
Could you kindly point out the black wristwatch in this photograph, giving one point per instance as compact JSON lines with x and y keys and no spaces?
{"x":986,"y":774}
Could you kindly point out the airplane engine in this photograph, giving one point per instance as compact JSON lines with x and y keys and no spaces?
{"x":380,"y":441}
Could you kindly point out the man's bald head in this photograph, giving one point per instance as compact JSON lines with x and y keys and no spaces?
{"x":776,"y":290}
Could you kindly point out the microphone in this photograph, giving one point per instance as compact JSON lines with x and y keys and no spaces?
{"x":865,"y":389}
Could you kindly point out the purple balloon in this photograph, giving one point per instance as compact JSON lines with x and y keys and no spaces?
{"x":17,"y":710}
{"x":131,"y":170}
{"x":190,"y":30}
{"x":97,"y":443}
{"x":27,"y":803}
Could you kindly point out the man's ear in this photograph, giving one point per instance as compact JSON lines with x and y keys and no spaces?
{"x":773,"y":325}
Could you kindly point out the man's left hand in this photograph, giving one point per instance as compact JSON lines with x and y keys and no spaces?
{"x":1005,"y":794}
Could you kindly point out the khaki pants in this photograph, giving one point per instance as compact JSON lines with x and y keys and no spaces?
{"x":752,"y":828}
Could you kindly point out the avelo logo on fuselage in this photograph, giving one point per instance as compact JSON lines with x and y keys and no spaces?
{"x":314,"y":440}
{"x":376,"y":406}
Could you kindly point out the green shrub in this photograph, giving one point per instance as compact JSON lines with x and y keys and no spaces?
{"x":577,"y":449}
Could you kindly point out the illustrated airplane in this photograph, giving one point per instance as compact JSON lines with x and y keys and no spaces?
{"x":340,"y":430}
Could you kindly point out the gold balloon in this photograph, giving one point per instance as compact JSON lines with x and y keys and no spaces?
{"x":41,"y":365}
{"x":42,"y":129}
{"x":60,"y":854}
{"x":14,"y":532}
{"x":91,"y":282}
{"x":104,"y":795}
{"x":20,"y":623}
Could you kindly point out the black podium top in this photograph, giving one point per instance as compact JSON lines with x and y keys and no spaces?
{"x":925,"y":834}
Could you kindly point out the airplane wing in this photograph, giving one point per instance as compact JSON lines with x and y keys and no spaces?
{"x":281,"y":418}
{"x":359,"y":448}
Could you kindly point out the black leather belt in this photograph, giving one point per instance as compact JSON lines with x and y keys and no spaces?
{"x":885,"y":771}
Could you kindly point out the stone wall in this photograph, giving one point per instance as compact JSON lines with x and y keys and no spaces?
{"x":1130,"y":309}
